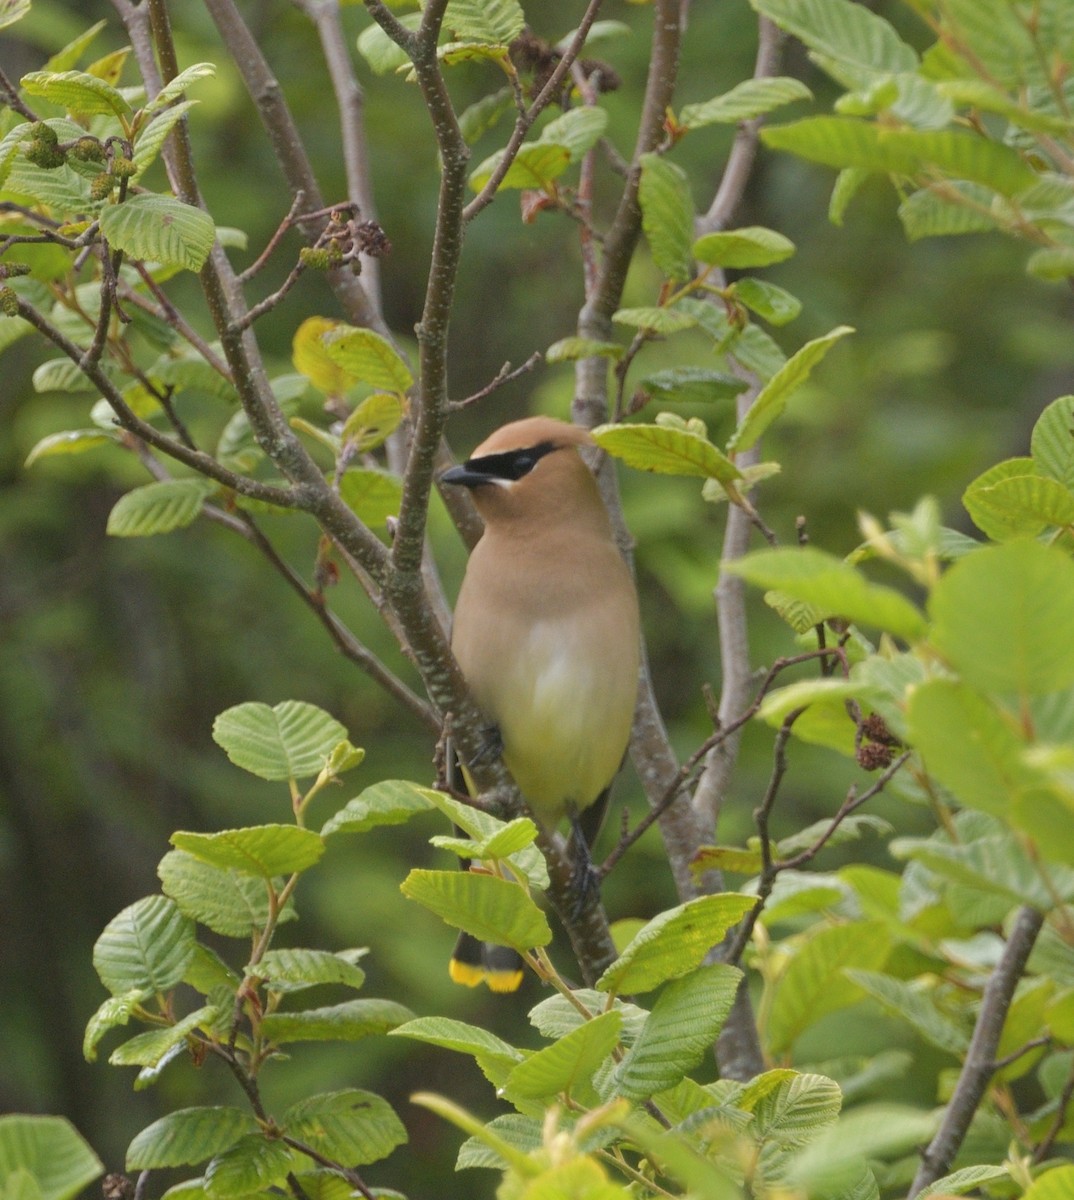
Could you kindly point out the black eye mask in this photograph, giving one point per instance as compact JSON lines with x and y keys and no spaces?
{"x":511,"y":464}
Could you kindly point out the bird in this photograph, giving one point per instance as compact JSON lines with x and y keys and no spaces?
{"x":546,"y":633}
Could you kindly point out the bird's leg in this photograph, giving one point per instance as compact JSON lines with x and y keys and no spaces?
{"x":491,"y":746}
{"x":585,"y":877}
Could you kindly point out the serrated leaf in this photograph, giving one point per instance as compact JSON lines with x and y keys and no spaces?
{"x":366,"y":357}
{"x":745,"y":101}
{"x":655,"y":319}
{"x":579,"y":129}
{"x":61,"y":375}
{"x":292,"y":970}
{"x":379,"y":51}
{"x":147,"y":1049}
{"x":852,"y":142}
{"x":995,"y":615}
{"x":147,"y":947}
{"x":793,"y":1112}
{"x":347,"y":1022}
{"x":570,"y":349}
{"x":833,"y":587}
{"x":674,"y":942}
{"x":693,"y":385}
{"x":685,"y":1020}
{"x":1052,"y":445}
{"x":968,"y":1179}
{"x":556,"y":1015}
{"x":568,"y":1063}
{"x":751,"y":246}
{"x":263,"y":850}
{"x":1052,"y":263}
{"x":484,"y":114}
{"x":846,"y":32}
{"x":158,"y":507}
{"x":535,"y":166}
{"x":50,"y":1151}
{"x":14,"y":10}
{"x":390,"y":802}
{"x":152,"y":138}
{"x":1028,"y":502}
{"x":70,"y":441}
{"x":491,"y":909}
{"x":726,"y":858}
{"x":814,"y":984}
{"x":847,"y":184}
{"x":373,"y":420}
{"x":114,"y":1012}
{"x":990,"y":515}
{"x":773,"y":397}
{"x":774,"y":304}
{"x":372,"y":495}
{"x":957,"y":209}
{"x":254,"y":1163}
{"x":1056,"y":1184}
{"x":293,"y":740}
{"x":667,"y":216}
{"x":76,"y":91}
{"x":226,"y":901}
{"x":310,"y":356}
{"x":479,"y":1043}
{"x":351,"y":1126}
{"x":914,"y":1006}
{"x":160,"y":228}
{"x":499,"y":21}
{"x":666,"y":451}
{"x":177,"y":86}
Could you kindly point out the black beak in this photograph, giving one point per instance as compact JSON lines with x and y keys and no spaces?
{"x":464,"y":476}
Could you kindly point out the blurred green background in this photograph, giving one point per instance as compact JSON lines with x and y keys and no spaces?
{"x":116,"y":655}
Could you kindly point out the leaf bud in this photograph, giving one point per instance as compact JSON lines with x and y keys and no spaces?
{"x":101,"y":186}
{"x":9,"y":302}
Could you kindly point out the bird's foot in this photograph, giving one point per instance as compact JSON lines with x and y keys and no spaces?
{"x":491,"y":746}
{"x":585,"y":877}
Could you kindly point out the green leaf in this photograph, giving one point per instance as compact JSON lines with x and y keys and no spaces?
{"x":774,"y":304}
{"x":373,"y":420}
{"x":51,"y":1151}
{"x":666,"y":450}
{"x":915,"y":1007}
{"x":177,"y":86}
{"x":161,"y":229}
{"x":932,"y":213}
{"x":351,"y":1126}
{"x":114,"y":1012}
{"x":568,"y":1063}
{"x":480,"y":1044}
{"x":484,"y":114}
{"x":147,"y":947}
{"x":995,"y":616}
{"x":76,"y":91}
{"x":834,"y":587}
{"x":1029,"y":503}
{"x":158,"y":507}
{"x":1055,"y":264}
{"x":373,"y":496}
{"x":990,"y":515}
{"x":751,"y":246}
{"x":293,"y":740}
{"x":693,"y":385}
{"x":745,"y":101}
{"x":70,"y":441}
{"x":366,"y":357}
{"x":655,"y":320}
{"x":293,"y":970}
{"x":390,"y":802}
{"x":147,"y":1049}
{"x":848,"y":183}
{"x":578,"y":129}
{"x":674,"y":942}
{"x":490,"y":909}
{"x":14,"y":10}
{"x":1053,"y":441}
{"x":255,"y":1162}
{"x":187,"y":1136}
{"x":226,"y":901}
{"x":570,"y":349}
{"x":773,"y":397}
{"x":1056,"y":1184}
{"x":794,"y":1111}
{"x":495,"y":21}
{"x":152,"y":138}
{"x":683,"y":1024}
{"x":61,"y":375}
{"x":347,"y":1022}
{"x":849,"y":34}
{"x":264,"y":850}
{"x":667,"y":216}
{"x":779,"y":702}
{"x":969,"y":1179}
{"x":814,"y":983}
{"x":535,"y":166}
{"x":919,"y":154}
{"x":379,"y":51}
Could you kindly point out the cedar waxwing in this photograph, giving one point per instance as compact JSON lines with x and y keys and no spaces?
{"x":546,"y":632}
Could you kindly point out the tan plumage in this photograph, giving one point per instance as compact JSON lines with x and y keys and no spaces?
{"x":546,"y":624}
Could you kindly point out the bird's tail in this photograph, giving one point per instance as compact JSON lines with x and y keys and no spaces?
{"x":474,"y":962}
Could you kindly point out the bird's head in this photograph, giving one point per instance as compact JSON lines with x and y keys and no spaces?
{"x":529,"y":468}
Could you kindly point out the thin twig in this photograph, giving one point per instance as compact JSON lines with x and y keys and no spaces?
{"x":504,"y":375}
{"x":1059,"y":1121}
{"x":281,"y":230}
{"x":9,"y":95}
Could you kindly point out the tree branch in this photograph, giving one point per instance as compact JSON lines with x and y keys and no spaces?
{"x":980,"y":1063}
